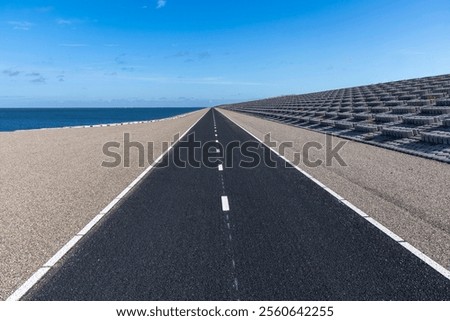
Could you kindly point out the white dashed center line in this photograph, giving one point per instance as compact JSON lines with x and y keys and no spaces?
{"x":225,"y":204}
{"x":229,"y":226}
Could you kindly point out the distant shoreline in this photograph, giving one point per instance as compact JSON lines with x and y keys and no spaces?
{"x":54,"y":118}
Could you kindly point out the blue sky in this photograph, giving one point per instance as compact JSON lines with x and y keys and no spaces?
{"x":204,"y":53}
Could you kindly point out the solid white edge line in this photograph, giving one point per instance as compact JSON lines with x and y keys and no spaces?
{"x":134,"y":183}
{"x":355,"y":209}
{"x":385,"y":230}
{"x":28,"y":284}
{"x":50,"y":263}
{"x":225,"y":204}
{"x":336,"y":195}
{"x":123,"y":193}
{"x":20,"y":292}
{"x":110,"y":206}
{"x":91,"y":224}
{"x":427,"y":259}
{"x":436,"y":266}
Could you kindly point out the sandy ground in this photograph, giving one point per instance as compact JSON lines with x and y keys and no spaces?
{"x":408,"y":194}
{"x":53,"y":184}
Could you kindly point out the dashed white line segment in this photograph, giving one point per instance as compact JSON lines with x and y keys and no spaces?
{"x":226,"y":208}
{"x":225,"y":204}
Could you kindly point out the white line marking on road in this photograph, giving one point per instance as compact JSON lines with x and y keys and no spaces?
{"x":229,"y":236}
{"x":225,"y":204}
{"x":110,"y":206}
{"x":66,"y":248}
{"x":217,"y":150}
{"x":217,"y":141}
{"x":90,"y":225}
{"x":220,"y":168}
{"x":124,"y":192}
{"x":315,"y":180}
{"x":234,"y":263}
{"x":385,"y":230}
{"x":336,"y":195}
{"x":229,"y":227}
{"x":215,"y":135}
{"x":25,"y":287}
{"x":426,"y":259}
{"x":134,"y":183}
{"x":236,"y":284}
{"x":20,"y":292}
{"x":381,"y":227}
{"x":354,"y":208}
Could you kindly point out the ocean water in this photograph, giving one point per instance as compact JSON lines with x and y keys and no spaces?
{"x":12,"y":119}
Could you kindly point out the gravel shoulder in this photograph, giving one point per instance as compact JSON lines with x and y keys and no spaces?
{"x":407,"y":194}
{"x":53,"y":183}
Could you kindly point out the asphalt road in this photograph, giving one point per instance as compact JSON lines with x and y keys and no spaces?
{"x":283,"y":238}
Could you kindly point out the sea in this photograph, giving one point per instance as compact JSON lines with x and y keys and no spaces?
{"x":12,"y":119}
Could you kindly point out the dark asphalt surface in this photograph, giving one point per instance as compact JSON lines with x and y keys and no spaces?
{"x":284,"y":238}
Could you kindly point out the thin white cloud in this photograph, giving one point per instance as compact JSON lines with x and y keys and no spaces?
{"x":21,"y":25}
{"x":160,"y":4}
{"x":67,"y":22}
{"x":64,"y":22}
